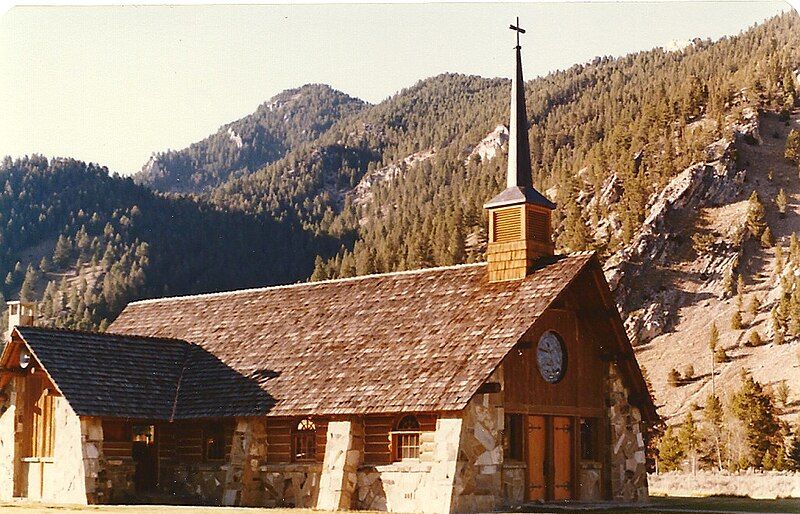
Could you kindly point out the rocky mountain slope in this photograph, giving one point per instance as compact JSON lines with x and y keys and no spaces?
{"x":278,"y":125}
{"x":672,"y":289}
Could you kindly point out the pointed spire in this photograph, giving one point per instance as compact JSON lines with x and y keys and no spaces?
{"x":519,"y":151}
{"x":519,"y":184}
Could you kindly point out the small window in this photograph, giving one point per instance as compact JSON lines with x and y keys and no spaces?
{"x":589,"y":439}
{"x":214,"y":441}
{"x":512,"y":437}
{"x":305,"y":440}
{"x":405,"y":439}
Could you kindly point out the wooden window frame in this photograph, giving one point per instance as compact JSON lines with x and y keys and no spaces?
{"x":304,"y":441}
{"x":406,"y":439}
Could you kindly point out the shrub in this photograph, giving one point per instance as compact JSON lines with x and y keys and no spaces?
{"x":674,"y":378}
{"x":754,"y":339}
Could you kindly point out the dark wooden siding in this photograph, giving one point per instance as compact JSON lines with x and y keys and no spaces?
{"x":580,"y":392}
{"x":377,"y":438}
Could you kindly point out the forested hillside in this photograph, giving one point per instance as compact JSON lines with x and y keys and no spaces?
{"x":86,"y":243}
{"x":277,"y":126}
{"x":588,"y":123}
{"x":314,"y":173}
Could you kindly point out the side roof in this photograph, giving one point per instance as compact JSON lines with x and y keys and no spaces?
{"x":417,"y":341}
{"x":137,"y":377}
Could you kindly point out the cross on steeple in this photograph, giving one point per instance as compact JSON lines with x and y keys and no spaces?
{"x":519,"y":31}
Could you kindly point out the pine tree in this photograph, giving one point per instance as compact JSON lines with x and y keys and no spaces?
{"x":740,"y":292}
{"x":766,"y":238}
{"x":782,"y":393}
{"x":690,"y":439}
{"x":62,"y":252}
{"x":792,"y":152}
{"x":670,"y":452}
{"x":793,"y":455}
{"x":782,"y":201}
{"x":727,"y":284}
{"x":754,"y":339}
{"x":754,"y":408}
{"x":736,"y":320}
{"x":755,"y":215}
{"x":755,"y":305}
{"x":26,"y":291}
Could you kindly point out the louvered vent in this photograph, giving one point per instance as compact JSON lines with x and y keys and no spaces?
{"x":538,"y":226}
{"x":507,"y":225}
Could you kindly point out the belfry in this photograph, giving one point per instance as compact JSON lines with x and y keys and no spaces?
{"x":519,"y":217}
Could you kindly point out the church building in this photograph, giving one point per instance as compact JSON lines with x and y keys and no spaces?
{"x":465,"y":388}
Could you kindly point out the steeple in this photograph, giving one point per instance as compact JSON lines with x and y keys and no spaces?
{"x":519,"y":217}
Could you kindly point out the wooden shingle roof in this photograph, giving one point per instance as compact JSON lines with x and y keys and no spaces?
{"x":411,"y":341}
{"x":140,"y":377}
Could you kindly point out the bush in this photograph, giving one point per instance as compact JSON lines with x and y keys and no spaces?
{"x":754,"y":339}
{"x":688,"y":373}
{"x":674,"y":378}
{"x":736,"y":321}
{"x":720,"y":356}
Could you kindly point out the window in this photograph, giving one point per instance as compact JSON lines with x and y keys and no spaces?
{"x":589,"y":439}
{"x":43,"y":411}
{"x":513,"y":437}
{"x":304,"y":440}
{"x":405,"y":439}
{"x":214,"y":441}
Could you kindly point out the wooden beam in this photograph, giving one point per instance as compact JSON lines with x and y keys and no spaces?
{"x":489,"y":387}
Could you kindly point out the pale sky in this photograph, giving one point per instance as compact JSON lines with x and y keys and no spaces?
{"x":114,"y":84}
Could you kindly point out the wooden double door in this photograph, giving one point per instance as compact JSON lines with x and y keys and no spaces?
{"x":550,"y":443}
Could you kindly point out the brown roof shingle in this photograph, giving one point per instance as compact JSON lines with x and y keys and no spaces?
{"x":411,"y":341}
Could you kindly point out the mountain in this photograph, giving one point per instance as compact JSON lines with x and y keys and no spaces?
{"x":652,"y":158}
{"x":87,"y":242}
{"x":277,"y":126}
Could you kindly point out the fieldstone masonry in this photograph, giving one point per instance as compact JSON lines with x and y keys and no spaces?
{"x":344,"y":453}
{"x":628,"y":470}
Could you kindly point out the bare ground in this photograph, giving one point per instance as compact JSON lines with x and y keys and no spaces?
{"x":686,"y":344}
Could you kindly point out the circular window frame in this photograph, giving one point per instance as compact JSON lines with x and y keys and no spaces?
{"x":564,"y":354}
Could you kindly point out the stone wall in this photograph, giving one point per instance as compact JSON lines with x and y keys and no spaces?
{"x":202,"y":481}
{"x":7,"y":453}
{"x":64,"y":478}
{"x":514,"y":474}
{"x":628,"y":470}
{"x":425,"y":485}
{"x":479,"y":484}
{"x":247,"y":479}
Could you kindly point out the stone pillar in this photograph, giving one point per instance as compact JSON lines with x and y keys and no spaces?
{"x":92,"y":442}
{"x":7,"y":442}
{"x":445,"y":467}
{"x":344,"y":453}
{"x":628,"y":470}
{"x":252,"y":485}
{"x":234,"y":475}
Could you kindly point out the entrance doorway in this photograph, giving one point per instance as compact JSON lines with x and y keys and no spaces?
{"x":550,"y":444}
{"x":145,"y":455}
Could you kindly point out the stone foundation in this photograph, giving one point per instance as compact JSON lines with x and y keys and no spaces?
{"x":628,"y":470}
{"x":514,"y":474}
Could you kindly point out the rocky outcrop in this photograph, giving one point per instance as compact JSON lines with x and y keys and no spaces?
{"x":490,"y":146}
{"x":363,"y":192}
{"x":715,"y":181}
